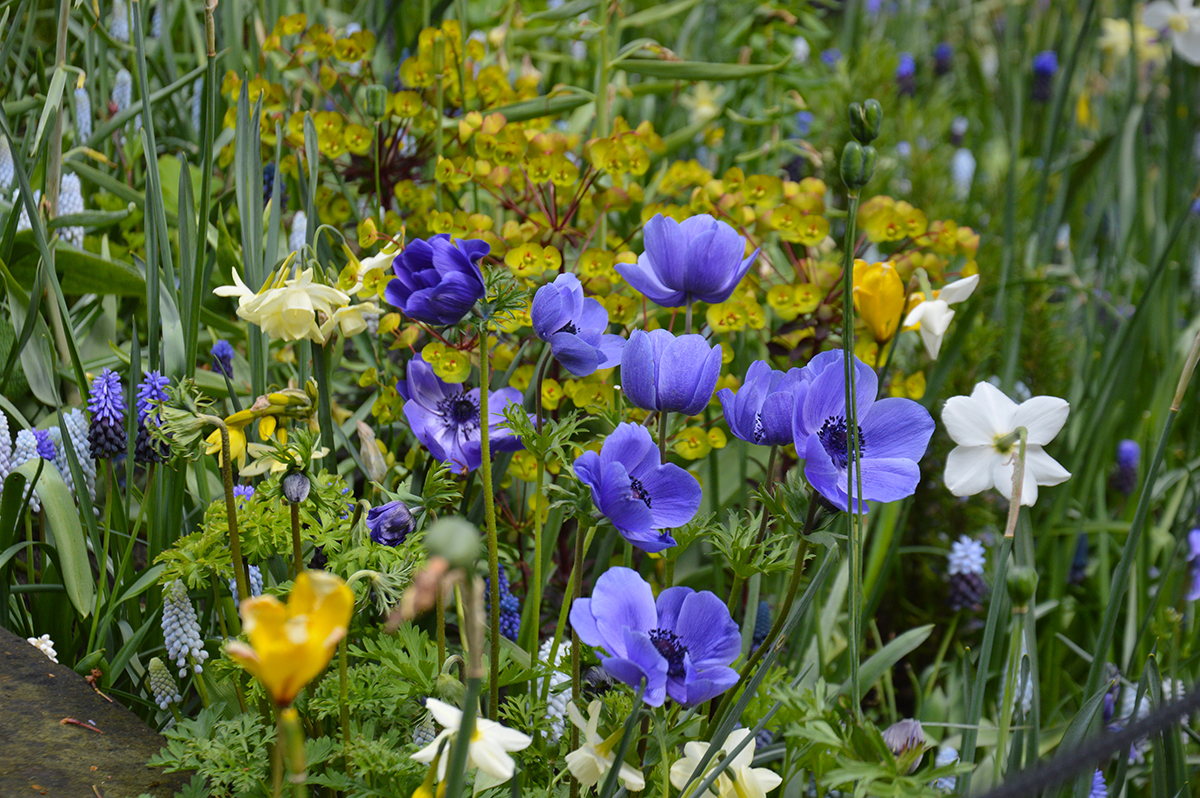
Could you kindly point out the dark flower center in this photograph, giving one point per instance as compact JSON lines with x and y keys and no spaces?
{"x":759,"y":432}
{"x":460,"y":412}
{"x":569,"y":327}
{"x":639,"y":491}
{"x":672,"y":649}
{"x":834,"y":438}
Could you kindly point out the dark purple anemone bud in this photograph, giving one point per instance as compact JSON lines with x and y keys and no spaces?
{"x":761,"y":410}
{"x":943,"y":59}
{"x":660,"y":371}
{"x":295,"y":486}
{"x":906,"y":75}
{"x":390,"y":523}
{"x":1124,"y":479}
{"x":574,"y":326}
{"x":222,"y":358}
{"x":680,"y":645}
{"x":1045,"y":64}
{"x":438,"y":281}
{"x":106,"y":403}
{"x":149,"y":393}
{"x":45,"y":446}
{"x":903,"y":737}
{"x":642,"y":496}
{"x":892,"y":435}
{"x":444,"y":417}
{"x":700,"y":258}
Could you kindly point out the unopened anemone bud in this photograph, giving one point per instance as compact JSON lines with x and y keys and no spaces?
{"x":858,"y":164}
{"x":1022,"y":582}
{"x":390,"y":523}
{"x":865,"y":120}
{"x":295,"y":486}
{"x":905,"y":739}
{"x":456,"y":539}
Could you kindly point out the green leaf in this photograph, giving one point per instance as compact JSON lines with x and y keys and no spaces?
{"x":36,"y":355}
{"x":696,"y":70}
{"x":565,"y":11}
{"x":657,"y":13}
{"x":885,"y":658}
{"x":64,"y":533}
{"x":80,"y":271}
{"x":543,"y":106}
{"x":12,"y":500}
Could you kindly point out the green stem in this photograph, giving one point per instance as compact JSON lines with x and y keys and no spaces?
{"x":576,"y":644}
{"x":344,"y":693}
{"x":297,"y":556}
{"x":941,"y":656}
{"x":572,"y":581}
{"x":441,"y":628}
{"x":535,"y":589}
{"x":108,"y":490}
{"x":1008,"y":698}
{"x":687,"y":315}
{"x":240,"y":574}
{"x":320,"y":355}
{"x":489,"y":511}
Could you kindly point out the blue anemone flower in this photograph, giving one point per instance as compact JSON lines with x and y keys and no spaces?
{"x":437,"y":281}
{"x":390,"y":523}
{"x":445,"y":418}
{"x":892,"y":435}
{"x":574,"y":327}
{"x":660,"y":371}
{"x":640,"y":495}
{"x":700,"y":258}
{"x":761,"y":411}
{"x":681,"y":645}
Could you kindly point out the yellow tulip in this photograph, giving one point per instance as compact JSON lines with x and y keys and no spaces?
{"x":878,"y":298}
{"x":291,"y":644}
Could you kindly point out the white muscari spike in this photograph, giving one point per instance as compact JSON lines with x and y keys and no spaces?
{"x":256,"y":584}
{"x":6,"y":448}
{"x":26,"y":450}
{"x":23,"y":222}
{"x":45,"y":645}
{"x":76,"y":430}
{"x":7,"y":172}
{"x":83,"y":115}
{"x":299,"y":231}
{"x":962,"y":172}
{"x":557,"y":700}
{"x":122,"y":92}
{"x":966,"y":557}
{"x":60,"y":460}
{"x":118,"y":22}
{"x":70,"y":200}
{"x":156,"y":21}
{"x":162,"y":684}
{"x":181,"y":628}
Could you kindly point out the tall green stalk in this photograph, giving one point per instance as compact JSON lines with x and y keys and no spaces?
{"x":489,"y":514}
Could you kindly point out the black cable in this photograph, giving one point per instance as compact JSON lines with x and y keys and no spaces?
{"x":1095,"y":751}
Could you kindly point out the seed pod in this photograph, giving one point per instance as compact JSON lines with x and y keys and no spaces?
{"x":858,"y":164}
{"x":865,"y":120}
{"x":377,"y":100}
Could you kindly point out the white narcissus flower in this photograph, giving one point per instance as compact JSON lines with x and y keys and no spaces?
{"x":738,"y":780}
{"x":594,"y":758}
{"x":934,"y":315}
{"x":980,"y":424}
{"x":487,"y":750}
{"x":1182,"y":19}
{"x":289,"y":309}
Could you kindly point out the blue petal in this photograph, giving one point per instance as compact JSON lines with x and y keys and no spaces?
{"x":666,"y":248}
{"x":546,"y":311}
{"x":684,"y":372}
{"x":638,"y":371}
{"x":710,"y":634}
{"x":583,"y":623}
{"x":622,"y":599}
{"x":575,"y":354}
{"x":827,"y":395}
{"x":776,"y":419}
{"x":675,"y":496}
{"x":897,"y":427}
{"x":668,"y":605}
{"x":641,"y":276}
{"x":612,"y":350}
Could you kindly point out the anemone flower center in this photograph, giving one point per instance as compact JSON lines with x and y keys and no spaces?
{"x":759,"y":432}
{"x":672,"y":650}
{"x":639,"y":491}
{"x":569,"y":327}
{"x":460,"y":412}
{"x":833,"y":436}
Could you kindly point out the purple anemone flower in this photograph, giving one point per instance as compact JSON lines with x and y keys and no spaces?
{"x":445,"y":418}
{"x":640,"y":495}
{"x":574,"y":327}
{"x":1193,"y":593}
{"x":681,"y":645}
{"x":761,"y":411}
{"x":438,"y":281}
{"x":700,"y":258}
{"x":390,"y":523}
{"x":892,"y":435}
{"x":672,"y":374}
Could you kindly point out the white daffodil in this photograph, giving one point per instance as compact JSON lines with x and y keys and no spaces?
{"x":1182,"y":18}
{"x":738,"y":780}
{"x":594,"y":758}
{"x":349,"y":320}
{"x":983,"y":425}
{"x":487,"y":750}
{"x":934,"y":315}
{"x":291,"y":309}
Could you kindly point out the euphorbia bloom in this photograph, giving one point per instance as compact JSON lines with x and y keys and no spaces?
{"x":934,"y":315}
{"x":290,"y":644}
{"x":681,"y":645}
{"x":984,"y":426}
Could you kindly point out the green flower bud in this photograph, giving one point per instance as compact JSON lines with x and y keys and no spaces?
{"x":449,"y":689}
{"x":455,"y":539}
{"x":865,"y":120}
{"x":1022,"y":582}
{"x":377,"y":100}
{"x":858,"y":164}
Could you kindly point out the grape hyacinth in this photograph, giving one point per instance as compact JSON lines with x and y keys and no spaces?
{"x":70,"y":200}
{"x":1124,"y":479}
{"x":556,"y":700}
{"x":60,"y":459}
{"x":299,"y":232}
{"x":510,"y":608}
{"x":1045,"y":64}
{"x":906,"y":75}
{"x":45,"y":445}
{"x":146,"y":450}
{"x":122,"y":91}
{"x":762,"y":625}
{"x":1099,"y":786}
{"x":106,"y":434}
{"x":7,"y":171}
{"x":23,"y":222}
{"x":269,"y":175}
{"x":943,"y":59}
{"x":45,"y":645}
{"x":76,"y":432}
{"x":118,"y":22}
{"x":242,"y":492}
{"x":83,"y":115}
{"x":965,"y":573}
{"x":424,"y":732}
{"x":26,"y":450}
{"x":181,"y":629}
{"x":256,"y":578}
{"x":1079,"y":562}
{"x":6,"y":448}
{"x":162,"y":684}
{"x":156,"y":21}
{"x":222,"y":358}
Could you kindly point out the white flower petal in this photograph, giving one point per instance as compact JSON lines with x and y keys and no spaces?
{"x":977,"y":419}
{"x":632,"y":778}
{"x":1042,"y":417}
{"x":959,"y":290}
{"x":969,"y":469}
{"x":491,"y":759}
{"x":1044,"y":468}
{"x":1158,"y":14}
{"x":447,"y":716}
{"x":746,"y":755}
